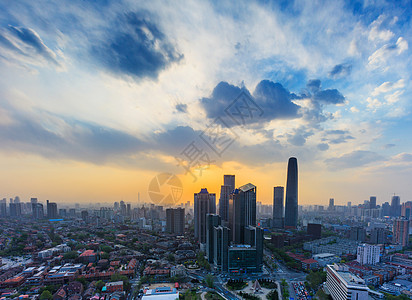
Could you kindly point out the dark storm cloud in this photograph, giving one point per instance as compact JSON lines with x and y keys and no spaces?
{"x":353,"y":159}
{"x":341,"y":70}
{"x":135,"y":46}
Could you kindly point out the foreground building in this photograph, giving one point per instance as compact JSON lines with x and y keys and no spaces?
{"x":343,"y":285}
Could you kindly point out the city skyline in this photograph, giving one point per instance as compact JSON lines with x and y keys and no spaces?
{"x":97,"y":100}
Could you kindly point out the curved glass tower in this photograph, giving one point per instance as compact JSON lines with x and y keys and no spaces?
{"x":291,"y":203}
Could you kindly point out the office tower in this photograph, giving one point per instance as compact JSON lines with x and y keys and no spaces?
{"x":372,"y":202}
{"x":344,"y":285}
{"x":72,"y":212}
{"x":84,"y":215}
{"x":205,"y":203}
{"x":175,"y":220}
{"x":116,"y":206}
{"x":278,"y":194}
{"x":212,"y":221}
{"x":38,"y":211}
{"x":254,"y":238}
{"x":221,"y":248}
{"x":225,"y":190}
{"x":349,"y":204}
{"x":386,"y":209}
{"x":358,"y":234}
{"x":3,"y":208}
{"x":401,"y":231}
{"x":368,"y":254}
{"x":396,"y":206}
{"x":407,"y":210}
{"x":291,"y":204}
{"x":128,"y":209}
{"x":51,"y":210}
{"x":314,"y":230}
{"x":123,"y":208}
{"x":242,"y":211}
{"x":378,"y":236}
{"x":331,"y":204}
{"x":15,"y":209}
{"x":62,"y":212}
{"x":33,"y":202}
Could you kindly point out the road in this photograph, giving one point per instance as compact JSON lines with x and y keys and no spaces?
{"x":218,"y":286}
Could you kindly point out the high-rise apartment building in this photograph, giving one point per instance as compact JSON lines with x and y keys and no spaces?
{"x":205,"y":203}
{"x":175,"y":220}
{"x":401,"y":231}
{"x":368,"y":254}
{"x":378,"y":236}
{"x":291,"y":204}
{"x":357,"y":234}
{"x":407,"y":210}
{"x":278,"y":196}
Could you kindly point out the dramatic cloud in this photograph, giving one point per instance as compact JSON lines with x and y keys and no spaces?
{"x":135,"y":46}
{"x":353,"y":159}
{"x":26,"y":44}
{"x":340,"y":71}
{"x":271,"y":98}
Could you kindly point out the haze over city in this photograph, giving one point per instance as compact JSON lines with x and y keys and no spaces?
{"x":96,"y":99}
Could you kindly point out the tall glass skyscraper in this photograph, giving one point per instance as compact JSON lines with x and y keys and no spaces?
{"x":278,"y":194}
{"x":291,"y":203}
{"x":225,"y":190}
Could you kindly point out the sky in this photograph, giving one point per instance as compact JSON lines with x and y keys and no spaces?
{"x":97,"y":98}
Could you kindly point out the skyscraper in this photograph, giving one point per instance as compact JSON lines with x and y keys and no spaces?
{"x":51,"y":210}
{"x":212,"y":221}
{"x":278,"y":196}
{"x":291,"y":204}
{"x":401,"y":231}
{"x":225,"y":190}
{"x":221,"y":246}
{"x":205,"y":203}
{"x":331,"y":204}
{"x":242,"y":211}
{"x":396,"y":206}
{"x":175,"y":220}
{"x":372,"y":202}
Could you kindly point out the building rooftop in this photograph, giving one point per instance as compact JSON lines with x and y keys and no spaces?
{"x":247,"y":187}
